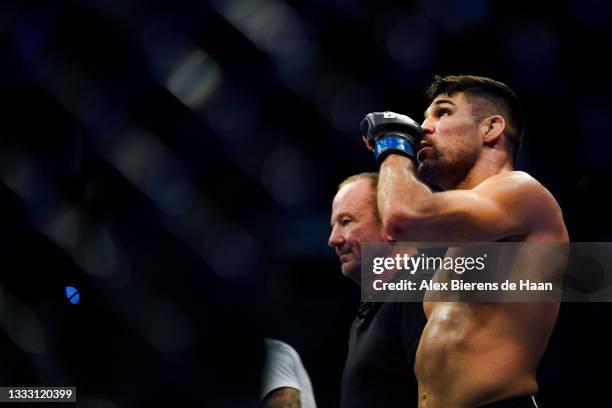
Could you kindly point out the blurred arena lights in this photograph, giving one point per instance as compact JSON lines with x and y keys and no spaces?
{"x":343,"y":102}
{"x":167,"y":329}
{"x":165,"y":41}
{"x":23,"y":175}
{"x":593,"y":122}
{"x":351,"y":102}
{"x":235,"y":253}
{"x":533,"y":45}
{"x":278,"y":30}
{"x":455,"y":15}
{"x":140,"y":156}
{"x":150,"y":166}
{"x":197,"y":80}
{"x":21,"y":324}
{"x":273,"y":26}
{"x":194,"y":79}
{"x":30,"y":35}
{"x":154,"y":170}
{"x":231,"y":114}
{"x":89,"y":243}
{"x":595,"y":13}
{"x":411,"y":41}
{"x":287,"y":175}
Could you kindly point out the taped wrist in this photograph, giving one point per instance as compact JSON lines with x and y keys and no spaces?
{"x":393,"y":144}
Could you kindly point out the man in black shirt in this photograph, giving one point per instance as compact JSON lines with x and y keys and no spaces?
{"x":384,"y":336}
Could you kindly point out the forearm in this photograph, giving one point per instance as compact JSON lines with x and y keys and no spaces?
{"x":402,"y":197}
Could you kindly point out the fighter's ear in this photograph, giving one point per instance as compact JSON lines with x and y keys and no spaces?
{"x":493,"y":128}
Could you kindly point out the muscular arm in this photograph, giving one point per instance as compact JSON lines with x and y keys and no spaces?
{"x":285,"y":397}
{"x":510,"y":204}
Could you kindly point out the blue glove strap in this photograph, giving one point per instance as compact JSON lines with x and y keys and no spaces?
{"x":393,"y":143}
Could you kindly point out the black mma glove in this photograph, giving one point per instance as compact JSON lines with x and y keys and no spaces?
{"x":389,"y":132}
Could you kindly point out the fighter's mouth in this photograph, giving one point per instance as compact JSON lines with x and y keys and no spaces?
{"x":424,"y":145}
{"x":423,"y":148}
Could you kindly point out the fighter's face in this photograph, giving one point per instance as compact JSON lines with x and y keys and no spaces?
{"x":451,"y":142}
{"x":354,"y":221}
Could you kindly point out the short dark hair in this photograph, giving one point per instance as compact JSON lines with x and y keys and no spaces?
{"x":502,"y":98}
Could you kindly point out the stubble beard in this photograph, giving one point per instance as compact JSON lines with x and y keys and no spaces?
{"x":443,"y":172}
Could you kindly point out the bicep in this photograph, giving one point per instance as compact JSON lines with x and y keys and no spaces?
{"x":487,"y":213}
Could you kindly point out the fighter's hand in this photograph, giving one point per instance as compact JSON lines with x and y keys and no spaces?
{"x":389,"y":132}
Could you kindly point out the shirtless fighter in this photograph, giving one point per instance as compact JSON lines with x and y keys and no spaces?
{"x":470,"y":354}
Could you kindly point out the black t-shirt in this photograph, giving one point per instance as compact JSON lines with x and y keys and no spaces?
{"x":379,"y":369}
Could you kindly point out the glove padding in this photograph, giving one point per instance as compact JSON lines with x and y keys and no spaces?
{"x":389,"y":132}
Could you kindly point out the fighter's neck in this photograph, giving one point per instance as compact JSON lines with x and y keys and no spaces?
{"x":482,"y":170}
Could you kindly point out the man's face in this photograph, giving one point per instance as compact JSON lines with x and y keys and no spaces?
{"x":451,"y":140}
{"x":354,"y":221}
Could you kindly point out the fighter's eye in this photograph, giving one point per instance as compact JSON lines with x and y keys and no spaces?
{"x":443,"y":112}
{"x":345,"y":221}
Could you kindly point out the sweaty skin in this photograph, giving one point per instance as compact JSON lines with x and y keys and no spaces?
{"x":471,"y":354}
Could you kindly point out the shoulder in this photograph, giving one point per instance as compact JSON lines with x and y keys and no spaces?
{"x":527,"y":198}
{"x":513,"y":180}
{"x":519,"y":186}
{"x":277,"y":345}
{"x":282,"y":366}
{"x":276,"y":349}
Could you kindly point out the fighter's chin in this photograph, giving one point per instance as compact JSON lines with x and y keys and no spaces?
{"x":426,"y":170}
{"x":422,"y":154}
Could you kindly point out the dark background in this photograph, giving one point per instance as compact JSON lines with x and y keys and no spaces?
{"x":176,"y":162}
